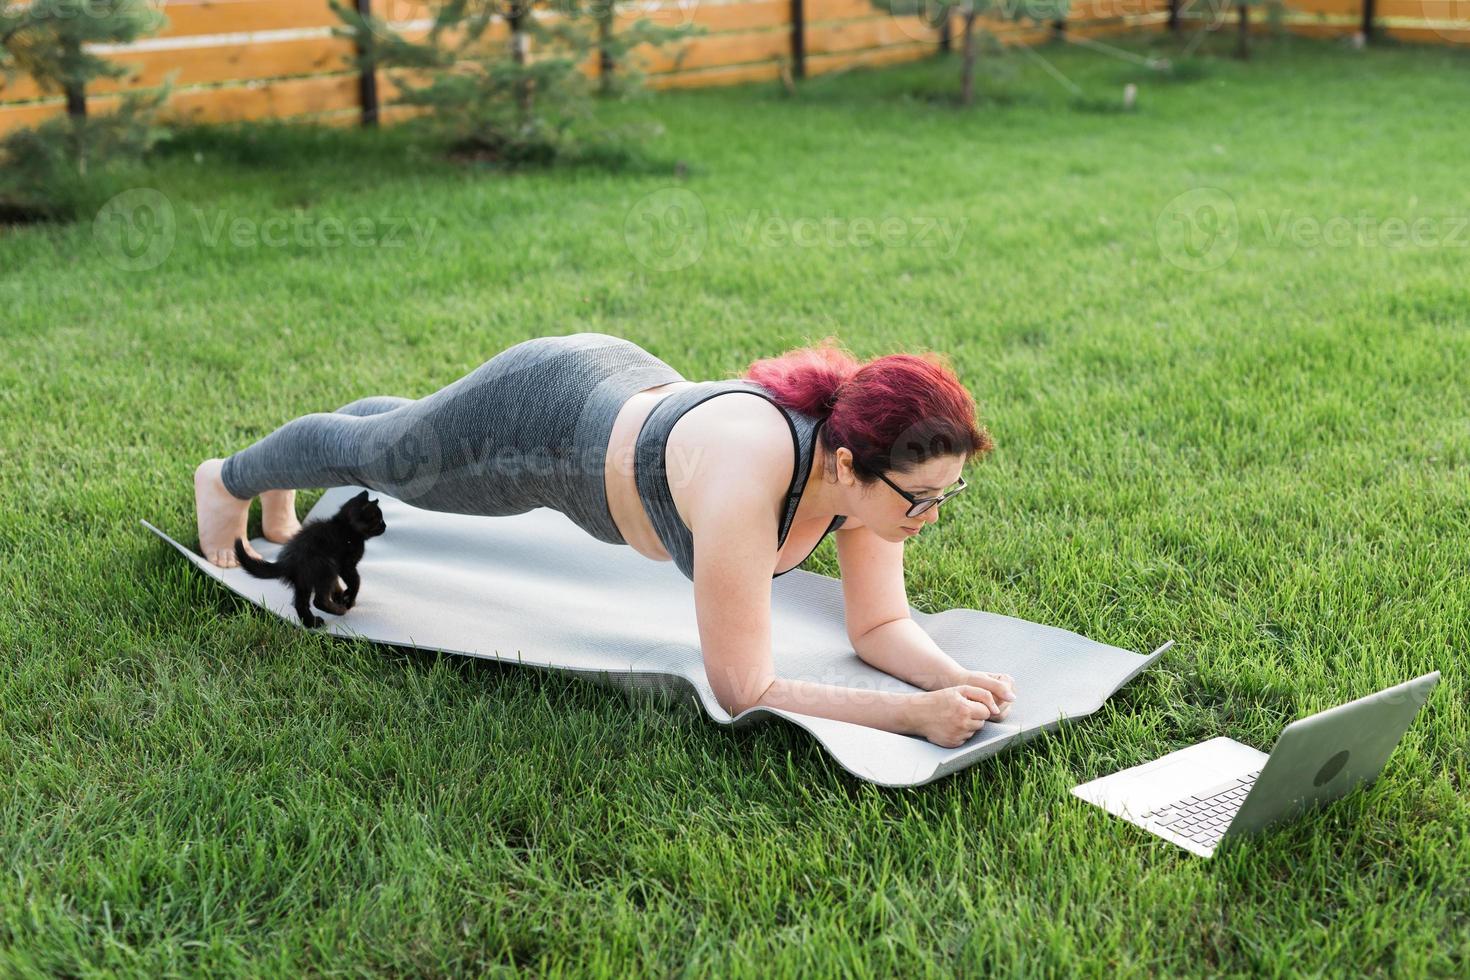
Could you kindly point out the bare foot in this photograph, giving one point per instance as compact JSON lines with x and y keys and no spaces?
{"x":221,"y":515}
{"x":278,"y":515}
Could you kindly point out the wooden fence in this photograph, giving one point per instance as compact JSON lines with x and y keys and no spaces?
{"x":251,"y":59}
{"x":1417,"y":21}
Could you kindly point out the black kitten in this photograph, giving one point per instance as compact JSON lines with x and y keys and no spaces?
{"x":318,"y":553}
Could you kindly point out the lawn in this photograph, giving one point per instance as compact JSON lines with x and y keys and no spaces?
{"x":1221,"y":342}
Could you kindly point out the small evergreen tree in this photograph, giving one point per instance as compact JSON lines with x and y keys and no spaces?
{"x":619,"y":72}
{"x":46,"y":40}
{"x":936,"y":13}
{"x":45,"y":171}
{"x":524,"y":101}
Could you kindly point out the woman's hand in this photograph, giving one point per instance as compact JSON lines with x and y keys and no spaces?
{"x":949,"y":716}
{"x":1001,"y":687}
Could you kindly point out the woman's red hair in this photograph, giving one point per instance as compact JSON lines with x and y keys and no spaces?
{"x":893,"y":412}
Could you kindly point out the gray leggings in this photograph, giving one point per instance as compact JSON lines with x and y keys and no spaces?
{"x":528,"y":428}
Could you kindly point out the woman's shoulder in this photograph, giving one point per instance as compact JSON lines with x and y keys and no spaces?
{"x":738,"y":418}
{"x":735,"y":435}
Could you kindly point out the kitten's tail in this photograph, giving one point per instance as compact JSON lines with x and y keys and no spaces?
{"x":255,"y":566}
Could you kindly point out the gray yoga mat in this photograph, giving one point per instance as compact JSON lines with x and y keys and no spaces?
{"x":536,"y":589}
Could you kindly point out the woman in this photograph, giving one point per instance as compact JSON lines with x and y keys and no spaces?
{"x":603,"y":431}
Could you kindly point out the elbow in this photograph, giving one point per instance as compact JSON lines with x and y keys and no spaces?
{"x":857,"y":638}
{"x":741,"y":698}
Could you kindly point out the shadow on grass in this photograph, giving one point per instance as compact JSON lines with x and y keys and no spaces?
{"x":17,"y":214}
{"x":995,"y":99}
{"x":1180,"y":70}
{"x":403,"y":149}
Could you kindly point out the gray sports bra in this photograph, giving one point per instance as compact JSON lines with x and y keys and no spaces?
{"x":651,"y":475}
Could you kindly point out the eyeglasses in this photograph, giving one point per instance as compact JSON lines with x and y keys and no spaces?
{"x":922,"y":505}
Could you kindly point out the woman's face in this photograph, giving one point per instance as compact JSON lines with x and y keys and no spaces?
{"x":885,"y":510}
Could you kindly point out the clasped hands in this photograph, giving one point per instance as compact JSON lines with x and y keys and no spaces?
{"x":950,"y":715}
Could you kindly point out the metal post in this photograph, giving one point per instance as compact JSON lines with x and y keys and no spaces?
{"x":798,"y":38}
{"x":604,"y":40}
{"x":367,"y":80}
{"x":76,"y":93}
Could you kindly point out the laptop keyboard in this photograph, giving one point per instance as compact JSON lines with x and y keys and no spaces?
{"x":1202,"y":818}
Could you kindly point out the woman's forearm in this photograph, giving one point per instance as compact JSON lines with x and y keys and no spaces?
{"x":891,"y":711}
{"x":902,"y":649}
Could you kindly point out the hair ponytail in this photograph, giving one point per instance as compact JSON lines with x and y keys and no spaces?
{"x":807,"y":379}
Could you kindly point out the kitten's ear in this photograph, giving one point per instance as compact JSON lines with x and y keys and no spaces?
{"x":361,"y":496}
{"x":373,"y":502}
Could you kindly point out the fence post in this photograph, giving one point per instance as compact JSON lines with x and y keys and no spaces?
{"x":76,"y":95}
{"x":1174,"y":16}
{"x":605,"y":65}
{"x":798,"y":38}
{"x":367,"y":80}
{"x":1369,"y":15}
{"x":946,"y":32}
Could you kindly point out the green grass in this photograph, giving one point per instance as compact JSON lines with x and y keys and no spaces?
{"x":1265,"y":460}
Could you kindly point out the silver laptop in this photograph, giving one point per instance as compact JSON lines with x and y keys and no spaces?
{"x":1199,"y":796}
